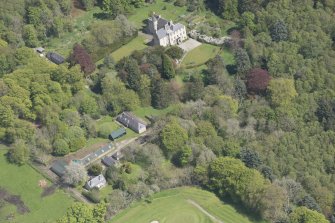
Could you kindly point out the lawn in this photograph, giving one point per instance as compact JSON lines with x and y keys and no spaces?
{"x":200,"y":55}
{"x":227,"y":56}
{"x":173,"y":206}
{"x":23,"y":181}
{"x":136,"y":44}
{"x":107,"y":124}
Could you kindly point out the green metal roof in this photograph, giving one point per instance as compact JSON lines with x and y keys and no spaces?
{"x":58,"y":167}
{"x":118,"y":133}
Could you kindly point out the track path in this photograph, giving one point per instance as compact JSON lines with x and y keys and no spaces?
{"x":195,"y":204}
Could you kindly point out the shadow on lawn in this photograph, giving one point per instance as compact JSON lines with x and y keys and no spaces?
{"x":14,"y":200}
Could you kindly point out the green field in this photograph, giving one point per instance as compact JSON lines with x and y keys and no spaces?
{"x":23,"y":181}
{"x":107,"y":124}
{"x":178,"y":206}
{"x":124,"y":51}
{"x":200,"y":55}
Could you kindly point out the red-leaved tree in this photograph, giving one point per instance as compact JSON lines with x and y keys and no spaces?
{"x":81,"y":57}
{"x":257,"y":80}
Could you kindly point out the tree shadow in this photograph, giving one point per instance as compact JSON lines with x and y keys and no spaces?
{"x":232,"y":69}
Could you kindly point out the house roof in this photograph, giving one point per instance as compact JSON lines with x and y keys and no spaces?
{"x":129,"y":120}
{"x":163,"y":32}
{"x":40,"y":49}
{"x":96,"y":181}
{"x":118,"y":133}
{"x":59,"y":167}
{"x":88,"y":159}
{"x":56,"y":58}
{"x":109,"y":161}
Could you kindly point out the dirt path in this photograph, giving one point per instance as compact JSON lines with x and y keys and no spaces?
{"x":195,"y":204}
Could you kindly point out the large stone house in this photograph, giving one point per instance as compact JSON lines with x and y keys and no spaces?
{"x":166,"y":33}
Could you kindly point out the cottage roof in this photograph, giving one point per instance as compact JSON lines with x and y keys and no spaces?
{"x":96,"y":181}
{"x":118,"y":133}
{"x":109,"y":161}
{"x":129,"y":119}
{"x":88,"y":159}
{"x":56,"y":58}
{"x":40,"y":49}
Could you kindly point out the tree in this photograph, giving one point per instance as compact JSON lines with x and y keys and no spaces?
{"x":257,"y":80}
{"x":195,"y":88}
{"x":80,"y":212}
{"x":304,"y":215}
{"x":18,"y":153}
{"x":229,"y":176}
{"x":160,"y":94}
{"x":95,"y":169}
{"x":75,"y":174}
{"x":173,"y":137}
{"x":6,"y":116}
{"x":182,"y":157}
{"x":250,"y":158}
{"x":30,"y":36}
{"x":113,"y":7}
{"x":282,"y":91}
{"x":87,"y":4}
{"x":175,"y":52}
{"x":60,"y":147}
{"x":81,"y":57}
{"x":131,"y":74}
{"x":168,"y":71}
{"x":279,"y":31}
{"x":75,"y":137}
{"x":242,"y":61}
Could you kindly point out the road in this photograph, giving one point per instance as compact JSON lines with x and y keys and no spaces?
{"x":195,"y":204}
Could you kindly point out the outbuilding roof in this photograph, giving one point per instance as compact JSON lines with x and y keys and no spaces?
{"x":59,"y":167}
{"x":109,"y":161}
{"x":118,"y":133}
{"x":56,"y":58}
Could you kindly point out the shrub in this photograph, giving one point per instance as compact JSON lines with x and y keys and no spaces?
{"x":95,"y":169}
{"x":93,"y":195}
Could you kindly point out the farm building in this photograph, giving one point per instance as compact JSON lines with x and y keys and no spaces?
{"x":96,"y":182}
{"x":132,"y":122}
{"x":109,"y":161}
{"x":55,"y":58}
{"x":59,"y":167}
{"x":39,"y":49}
{"x":117,"y":133}
{"x":95,"y":155}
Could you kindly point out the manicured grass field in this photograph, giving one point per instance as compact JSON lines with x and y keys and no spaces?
{"x":200,"y":55}
{"x":23,"y":181}
{"x":174,"y":206}
{"x":126,"y":50}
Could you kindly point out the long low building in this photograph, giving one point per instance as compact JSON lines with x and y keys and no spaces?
{"x":130,"y":121}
